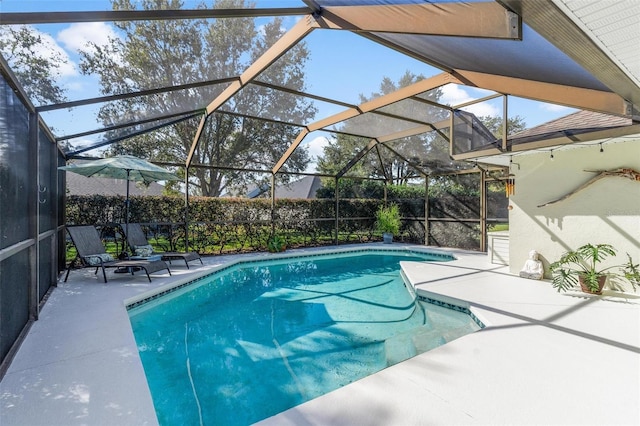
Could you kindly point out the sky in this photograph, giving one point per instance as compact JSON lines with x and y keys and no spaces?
{"x":342,"y":66}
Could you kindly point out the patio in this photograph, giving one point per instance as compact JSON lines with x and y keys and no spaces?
{"x":544,"y":357}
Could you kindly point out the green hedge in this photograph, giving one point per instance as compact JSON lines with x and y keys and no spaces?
{"x":231,"y":225}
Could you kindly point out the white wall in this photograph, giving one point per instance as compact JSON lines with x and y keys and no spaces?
{"x":608,"y":211}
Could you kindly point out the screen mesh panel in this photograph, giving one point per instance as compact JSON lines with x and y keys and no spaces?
{"x":464,"y":235}
{"x":416,"y":110}
{"x":101,"y":139}
{"x":45,"y":266}
{"x":455,"y":197}
{"x":131,"y":111}
{"x":15,"y":177}
{"x":273,"y":104}
{"x":533,"y":58}
{"x":469,"y":134}
{"x":372,"y":125}
{"x":14,"y":298}
{"x":47,"y":191}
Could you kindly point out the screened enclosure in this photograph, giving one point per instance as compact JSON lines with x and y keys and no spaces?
{"x":234,"y":96}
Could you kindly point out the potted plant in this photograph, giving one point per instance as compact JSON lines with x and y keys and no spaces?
{"x":388,"y":222}
{"x":276,"y":244}
{"x":581,"y":266}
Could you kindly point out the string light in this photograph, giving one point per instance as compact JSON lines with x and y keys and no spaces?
{"x":601,"y":149}
{"x":511,"y":163}
{"x":551,"y":155}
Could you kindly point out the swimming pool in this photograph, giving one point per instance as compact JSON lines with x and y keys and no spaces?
{"x":258,"y":338}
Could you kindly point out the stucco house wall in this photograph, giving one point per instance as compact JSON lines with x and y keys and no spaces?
{"x":607,"y":211}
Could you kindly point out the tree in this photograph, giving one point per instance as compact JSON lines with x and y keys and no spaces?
{"x":425,"y":150}
{"x":338,"y":152}
{"x":154,"y":54}
{"x":494,"y":124}
{"x":428,"y":150}
{"x":36,"y":71}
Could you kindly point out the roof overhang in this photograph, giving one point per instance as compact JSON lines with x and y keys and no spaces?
{"x":551,"y":19}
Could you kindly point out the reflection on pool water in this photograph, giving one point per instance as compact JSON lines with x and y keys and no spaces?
{"x":258,"y":338}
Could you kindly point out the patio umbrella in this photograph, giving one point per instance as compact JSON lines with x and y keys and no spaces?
{"x":125,"y":167}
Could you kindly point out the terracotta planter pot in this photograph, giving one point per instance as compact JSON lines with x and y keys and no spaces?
{"x":585,"y":287}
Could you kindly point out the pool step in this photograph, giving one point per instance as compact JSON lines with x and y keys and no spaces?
{"x":399,"y":348}
{"x":406,"y":345}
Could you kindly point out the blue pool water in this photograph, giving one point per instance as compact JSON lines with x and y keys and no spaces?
{"x":259,"y":338}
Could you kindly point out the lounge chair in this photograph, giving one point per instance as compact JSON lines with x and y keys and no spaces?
{"x":92,"y":254}
{"x":140,"y":246}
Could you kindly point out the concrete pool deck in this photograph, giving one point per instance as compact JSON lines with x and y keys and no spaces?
{"x":544,"y":357}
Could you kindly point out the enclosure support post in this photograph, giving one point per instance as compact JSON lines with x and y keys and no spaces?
{"x":33,"y":215}
{"x":385,"y":193}
{"x":62,"y":215}
{"x":505,"y":122}
{"x":53,"y":160}
{"x":186,"y":208}
{"x":483,"y":211}
{"x":337,"y":179}
{"x":273,"y":203}
{"x":426,"y":210}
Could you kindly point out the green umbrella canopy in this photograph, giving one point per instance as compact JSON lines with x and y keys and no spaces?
{"x":122,"y":167}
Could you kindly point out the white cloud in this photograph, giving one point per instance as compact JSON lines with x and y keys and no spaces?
{"x":65,"y":47}
{"x":77,"y":36}
{"x":483,"y":109}
{"x":48,"y":48}
{"x":454,"y":94}
{"x":555,"y":108}
{"x":315,"y":148}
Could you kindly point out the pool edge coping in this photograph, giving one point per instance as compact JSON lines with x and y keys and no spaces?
{"x":447,"y":302}
{"x":178,"y":284}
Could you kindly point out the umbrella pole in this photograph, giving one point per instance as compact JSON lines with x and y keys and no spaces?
{"x":126,"y":219}
{"x":122,"y":269}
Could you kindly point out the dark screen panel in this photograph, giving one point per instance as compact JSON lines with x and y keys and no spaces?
{"x":46,"y":183}
{"x":45,"y":261}
{"x":14,"y":168}
{"x":14,"y":299}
